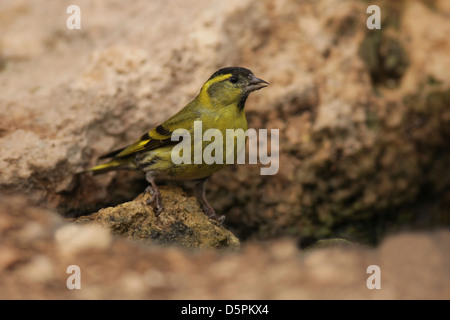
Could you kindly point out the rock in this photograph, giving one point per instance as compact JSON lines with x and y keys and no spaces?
{"x":413,"y":265}
{"x":364,"y":126}
{"x":330,"y":243}
{"x":362,"y":119}
{"x":363,"y":114}
{"x":182,"y":223}
{"x":72,"y":239}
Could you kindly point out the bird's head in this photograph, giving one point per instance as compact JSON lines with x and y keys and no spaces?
{"x":230,"y":86}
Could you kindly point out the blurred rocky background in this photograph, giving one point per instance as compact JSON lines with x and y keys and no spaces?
{"x":37,"y":247}
{"x":364,"y":120}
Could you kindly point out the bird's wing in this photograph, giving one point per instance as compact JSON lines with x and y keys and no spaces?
{"x":159,"y":136}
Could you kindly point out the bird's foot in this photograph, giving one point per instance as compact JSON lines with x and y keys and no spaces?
{"x":209,"y":211}
{"x":155,"y":198}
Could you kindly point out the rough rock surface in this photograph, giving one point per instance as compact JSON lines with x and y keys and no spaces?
{"x":363,"y":114}
{"x":182,"y":223}
{"x":363,"y":118}
{"x":37,"y":247}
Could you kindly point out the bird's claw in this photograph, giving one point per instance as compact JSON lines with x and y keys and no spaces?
{"x":159,"y":207}
{"x":220,"y":219}
{"x":155,"y":198}
{"x":209,"y":211}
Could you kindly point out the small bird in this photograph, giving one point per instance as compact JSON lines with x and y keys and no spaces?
{"x":219,"y":105}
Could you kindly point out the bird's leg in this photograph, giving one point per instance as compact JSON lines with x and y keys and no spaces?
{"x":154,"y":191}
{"x":200,"y":194}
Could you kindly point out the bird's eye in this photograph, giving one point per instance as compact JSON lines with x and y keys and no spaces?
{"x":233,"y":79}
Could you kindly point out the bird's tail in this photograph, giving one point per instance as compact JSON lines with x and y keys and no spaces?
{"x":112,"y":165}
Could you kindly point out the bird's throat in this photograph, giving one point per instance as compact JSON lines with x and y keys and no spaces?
{"x":241,"y":103}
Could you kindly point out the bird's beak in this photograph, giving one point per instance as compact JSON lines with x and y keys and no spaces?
{"x":255,"y":83}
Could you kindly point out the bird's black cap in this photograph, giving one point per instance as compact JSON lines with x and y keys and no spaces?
{"x":236,"y":71}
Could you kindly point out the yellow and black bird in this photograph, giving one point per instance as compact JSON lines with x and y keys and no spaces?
{"x":219,"y":105}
